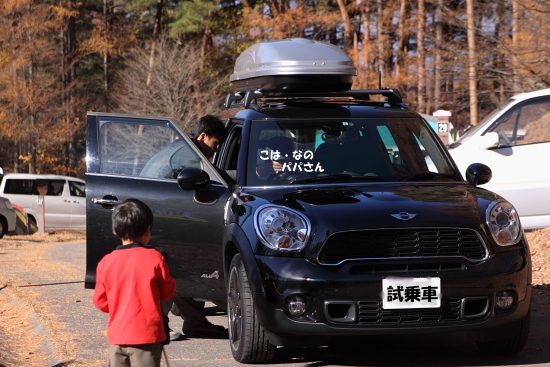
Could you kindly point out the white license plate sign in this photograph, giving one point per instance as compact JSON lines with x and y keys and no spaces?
{"x":399,"y":293}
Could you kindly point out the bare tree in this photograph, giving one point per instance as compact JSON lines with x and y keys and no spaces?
{"x":178,"y":88}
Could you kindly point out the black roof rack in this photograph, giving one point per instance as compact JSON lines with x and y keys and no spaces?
{"x":250,"y":97}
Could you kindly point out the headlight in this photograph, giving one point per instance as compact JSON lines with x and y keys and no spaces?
{"x":503,"y":221}
{"x":281,"y":228}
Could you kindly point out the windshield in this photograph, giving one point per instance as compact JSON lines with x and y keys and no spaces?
{"x":355,"y":150}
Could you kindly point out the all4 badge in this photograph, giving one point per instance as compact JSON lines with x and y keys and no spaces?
{"x":215,"y":274}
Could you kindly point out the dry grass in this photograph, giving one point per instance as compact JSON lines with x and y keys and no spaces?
{"x":19,"y":334}
{"x":539,"y":242}
{"x":52,"y":236}
{"x":22,"y":343}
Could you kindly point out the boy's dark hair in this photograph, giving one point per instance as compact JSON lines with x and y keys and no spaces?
{"x":131,"y":219}
{"x":211,"y":126}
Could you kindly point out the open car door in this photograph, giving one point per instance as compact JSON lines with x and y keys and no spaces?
{"x":140,"y":157}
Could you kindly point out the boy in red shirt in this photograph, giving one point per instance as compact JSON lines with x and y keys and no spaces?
{"x":130,"y":283}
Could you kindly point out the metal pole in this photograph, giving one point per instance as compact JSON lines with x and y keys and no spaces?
{"x":41,"y":223}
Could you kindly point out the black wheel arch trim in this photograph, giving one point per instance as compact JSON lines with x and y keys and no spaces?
{"x":235,"y":241}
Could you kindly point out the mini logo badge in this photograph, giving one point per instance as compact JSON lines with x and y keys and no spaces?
{"x":404,"y":216}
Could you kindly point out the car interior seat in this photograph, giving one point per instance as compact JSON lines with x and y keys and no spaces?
{"x":356,"y":151}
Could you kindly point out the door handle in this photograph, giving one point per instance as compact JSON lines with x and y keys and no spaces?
{"x":106,"y":201}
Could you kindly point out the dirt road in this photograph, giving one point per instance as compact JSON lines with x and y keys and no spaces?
{"x":47,"y":320}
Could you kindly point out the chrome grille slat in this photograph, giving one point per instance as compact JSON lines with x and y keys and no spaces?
{"x":408,"y":242}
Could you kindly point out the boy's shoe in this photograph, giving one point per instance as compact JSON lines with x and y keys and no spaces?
{"x":203,"y":329}
{"x":175,"y":336}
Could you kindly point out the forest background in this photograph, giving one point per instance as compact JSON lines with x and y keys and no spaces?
{"x":60,"y":59}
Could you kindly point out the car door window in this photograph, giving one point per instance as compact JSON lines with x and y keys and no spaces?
{"x":55,"y":187}
{"x":77,"y":189}
{"x":149,"y":149}
{"x":49,"y":187}
{"x":19,"y":186}
{"x":527,"y":123}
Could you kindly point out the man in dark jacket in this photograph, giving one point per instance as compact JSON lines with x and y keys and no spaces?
{"x":208,"y":133}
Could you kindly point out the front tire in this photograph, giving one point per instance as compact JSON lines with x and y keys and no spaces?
{"x":247,"y":338}
{"x":3,"y":227}
{"x":511,"y":345}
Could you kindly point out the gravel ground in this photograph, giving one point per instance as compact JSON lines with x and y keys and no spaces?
{"x":36,"y":317}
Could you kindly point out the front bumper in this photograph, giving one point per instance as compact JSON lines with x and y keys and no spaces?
{"x":468,"y":293}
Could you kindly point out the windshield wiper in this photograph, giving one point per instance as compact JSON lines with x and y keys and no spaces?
{"x":428,"y":176}
{"x":340,"y":176}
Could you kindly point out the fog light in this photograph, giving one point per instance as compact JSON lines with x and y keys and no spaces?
{"x":296,"y":306}
{"x":505,"y":299}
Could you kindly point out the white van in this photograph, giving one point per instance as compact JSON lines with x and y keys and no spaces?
{"x":64,"y":198}
{"x":514,"y":141}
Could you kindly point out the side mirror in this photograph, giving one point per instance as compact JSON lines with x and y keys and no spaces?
{"x":193,"y":179}
{"x":488,"y":140}
{"x":478,"y":174}
{"x":196,"y":179}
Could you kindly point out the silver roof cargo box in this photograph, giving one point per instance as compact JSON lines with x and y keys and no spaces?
{"x":293,"y":65}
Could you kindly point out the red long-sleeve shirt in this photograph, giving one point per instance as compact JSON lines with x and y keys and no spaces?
{"x":130,"y":283}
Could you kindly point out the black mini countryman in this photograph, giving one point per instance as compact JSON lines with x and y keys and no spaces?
{"x":327,"y":211}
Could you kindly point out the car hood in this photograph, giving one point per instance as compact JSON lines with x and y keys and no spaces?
{"x":339,"y":208}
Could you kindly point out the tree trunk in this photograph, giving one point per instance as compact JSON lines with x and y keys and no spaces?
{"x":472,"y":75}
{"x":31,"y":153}
{"x":70,"y":110}
{"x":499,"y":58}
{"x":364,"y":64}
{"x":105,"y":56}
{"x":437,"y":57}
{"x":355,"y":49}
{"x":421,"y":57}
{"x":515,"y":48}
{"x":347,"y":24}
{"x":274,"y":6}
{"x":380,"y":43}
{"x":400,"y":59}
{"x":156,"y":32}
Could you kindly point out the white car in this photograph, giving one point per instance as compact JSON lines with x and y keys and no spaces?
{"x":64,"y":198}
{"x":514,"y":141}
{"x":7,"y":217}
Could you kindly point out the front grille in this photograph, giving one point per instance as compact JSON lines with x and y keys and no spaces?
{"x":371,"y":269}
{"x":371,"y":313}
{"x":410,"y":242}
